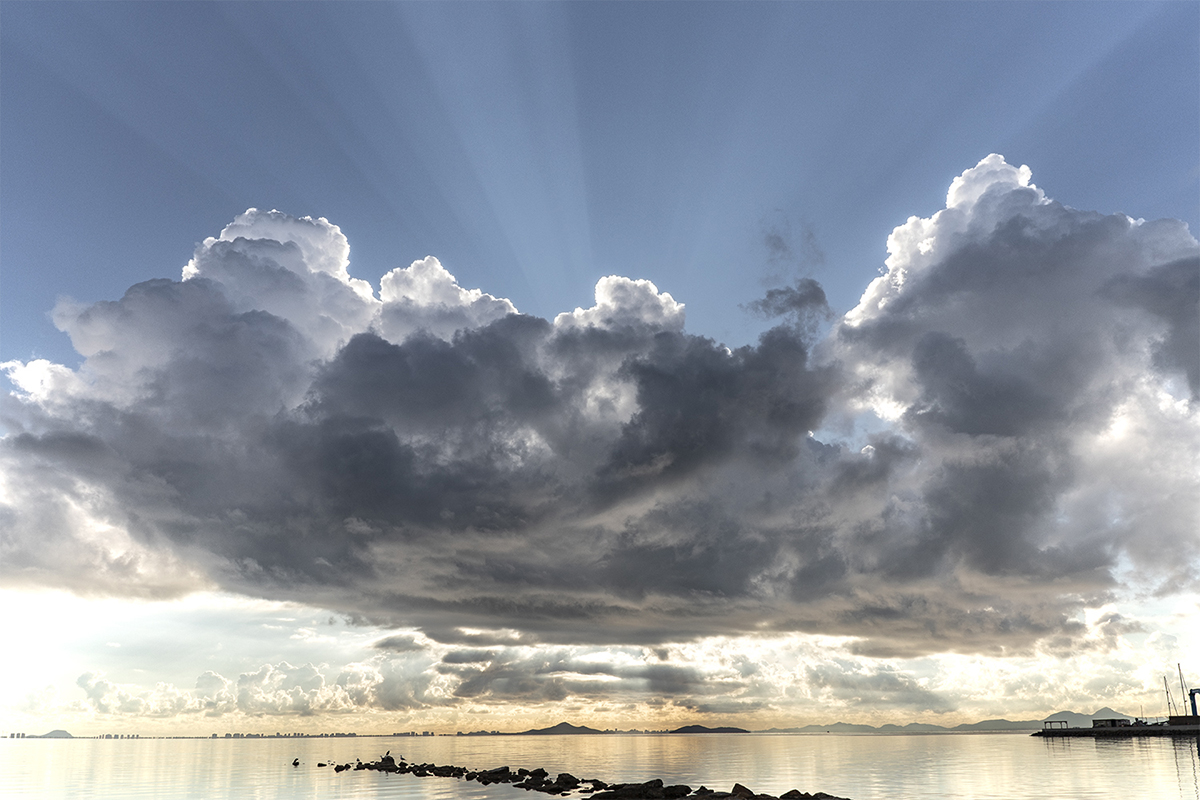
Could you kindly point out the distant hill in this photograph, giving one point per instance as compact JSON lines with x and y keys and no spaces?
{"x":1001,"y":725}
{"x":561,"y":728}
{"x":57,"y":734}
{"x":702,"y":729}
{"x":918,"y":727}
{"x":1073,"y":720}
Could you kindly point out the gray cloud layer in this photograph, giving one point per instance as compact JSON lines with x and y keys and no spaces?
{"x":432,"y":457}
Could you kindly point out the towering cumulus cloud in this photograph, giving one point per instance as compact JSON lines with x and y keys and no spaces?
{"x":432,"y":458}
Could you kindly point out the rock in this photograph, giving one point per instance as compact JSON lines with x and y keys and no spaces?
{"x":650,"y":790}
{"x":497,"y":775}
{"x":565,"y":783}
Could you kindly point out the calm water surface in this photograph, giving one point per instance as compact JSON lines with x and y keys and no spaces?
{"x":863,"y":767}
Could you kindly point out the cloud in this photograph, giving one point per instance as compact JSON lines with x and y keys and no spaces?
{"x":433,"y":459}
{"x":621,"y":302}
{"x":883,"y":686}
{"x":720,"y":678}
{"x":426,"y":297}
{"x":1014,"y":340}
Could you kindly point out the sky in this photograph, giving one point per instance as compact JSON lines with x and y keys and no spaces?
{"x":434,"y":366}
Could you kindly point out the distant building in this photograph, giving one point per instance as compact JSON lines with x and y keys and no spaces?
{"x":1115,"y":722}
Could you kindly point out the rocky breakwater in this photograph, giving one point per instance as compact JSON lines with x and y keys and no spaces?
{"x":538,"y":780}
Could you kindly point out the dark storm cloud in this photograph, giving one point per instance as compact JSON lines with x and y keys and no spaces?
{"x":398,"y":644}
{"x":699,"y":405}
{"x":803,"y":304}
{"x":553,"y":674}
{"x":435,"y":459}
{"x":1169,"y":293}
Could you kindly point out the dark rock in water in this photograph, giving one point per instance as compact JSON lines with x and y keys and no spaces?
{"x":650,"y":790}
{"x":536,"y":781}
{"x":322,"y":764}
{"x":564,"y":783}
{"x":497,"y":775}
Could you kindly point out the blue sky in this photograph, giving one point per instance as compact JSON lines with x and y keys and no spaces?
{"x":536,"y":147}
{"x":856,"y":374}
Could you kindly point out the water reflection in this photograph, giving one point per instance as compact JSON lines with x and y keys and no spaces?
{"x":864,"y":767}
{"x":1187,"y":764}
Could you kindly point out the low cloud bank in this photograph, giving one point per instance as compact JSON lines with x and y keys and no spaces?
{"x":430,"y":457}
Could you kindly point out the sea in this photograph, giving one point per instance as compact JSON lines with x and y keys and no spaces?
{"x":981,"y":766}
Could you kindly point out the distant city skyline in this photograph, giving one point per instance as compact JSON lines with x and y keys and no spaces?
{"x":457,"y":367}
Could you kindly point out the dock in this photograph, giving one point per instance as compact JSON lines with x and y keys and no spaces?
{"x":1109,"y":728}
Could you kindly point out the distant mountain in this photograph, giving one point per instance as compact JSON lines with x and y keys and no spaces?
{"x":917,"y":727}
{"x":702,"y":729}
{"x":57,"y":734}
{"x":1072,"y":719}
{"x":836,"y":727}
{"x":560,"y":728}
{"x":1001,"y":725}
